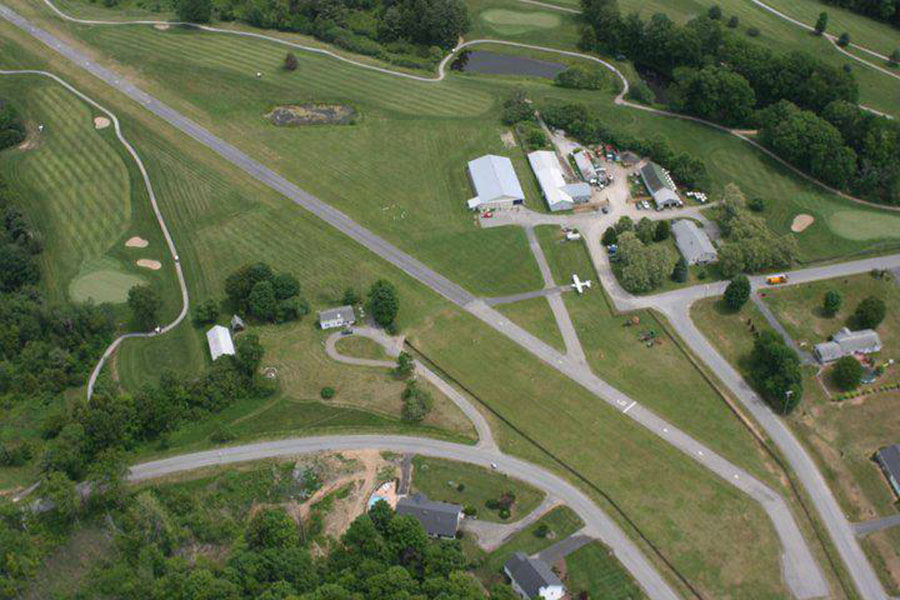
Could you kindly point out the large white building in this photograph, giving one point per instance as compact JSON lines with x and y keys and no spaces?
{"x":693,"y":243}
{"x":219,"y":340}
{"x":558,"y":194}
{"x":495,"y":183}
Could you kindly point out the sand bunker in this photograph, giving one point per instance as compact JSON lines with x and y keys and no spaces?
{"x":801,"y":222}
{"x":161,"y":26}
{"x":312,"y":114}
{"x":137,"y":242}
{"x":101,"y":123}
{"x":147,"y":263}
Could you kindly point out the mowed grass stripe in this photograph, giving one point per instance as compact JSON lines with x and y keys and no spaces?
{"x":247,"y":57}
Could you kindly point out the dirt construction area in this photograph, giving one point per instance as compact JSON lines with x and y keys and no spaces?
{"x":312,"y":114}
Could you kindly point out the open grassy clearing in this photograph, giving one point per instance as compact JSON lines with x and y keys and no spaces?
{"x":518,"y":22}
{"x":660,"y":377}
{"x":361,"y":347}
{"x":440,"y":479}
{"x":702,"y":516}
{"x":416,"y":198}
{"x":536,"y":318}
{"x":875,"y":35}
{"x":840,"y":436}
{"x":594,"y":569}
{"x":562,"y":523}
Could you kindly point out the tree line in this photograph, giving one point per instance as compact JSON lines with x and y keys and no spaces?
{"x":412,"y":33}
{"x":806,"y":110}
{"x":882,"y":10}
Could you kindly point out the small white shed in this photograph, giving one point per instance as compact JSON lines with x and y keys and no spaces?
{"x":220,"y":343}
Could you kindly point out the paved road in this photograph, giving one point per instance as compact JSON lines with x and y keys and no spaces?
{"x":805,"y":357}
{"x":801,"y":571}
{"x":597,"y":523}
{"x":867,"y":527}
{"x":574,"y":350}
{"x":393,"y":346}
{"x":563,"y":548}
{"x":513,"y":298}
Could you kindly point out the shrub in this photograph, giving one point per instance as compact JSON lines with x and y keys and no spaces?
{"x":222,"y":435}
{"x":290,"y":62}
{"x":753,"y":32}
{"x":847,"y":373}
{"x":542,"y":530}
{"x":734,"y":22}
{"x":737,"y":293}
{"x":516,"y":109}
{"x":870,"y":313}
{"x":470,"y":511}
{"x":831,"y":303}
{"x":844,"y":40}
{"x":460,"y":487}
{"x":714,"y":12}
{"x":757,"y":204}
{"x":680,"y":272}
{"x":581,"y":77}
{"x":504,"y":513}
{"x":327,"y":393}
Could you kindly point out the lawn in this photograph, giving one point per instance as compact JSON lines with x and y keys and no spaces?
{"x":518,"y":22}
{"x":840,"y":436}
{"x":361,"y":347}
{"x":562,"y":523}
{"x":661,"y":376}
{"x":440,"y":479}
{"x":594,"y":569}
{"x":534,"y":315}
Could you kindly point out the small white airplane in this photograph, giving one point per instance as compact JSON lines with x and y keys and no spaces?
{"x":580,"y":285}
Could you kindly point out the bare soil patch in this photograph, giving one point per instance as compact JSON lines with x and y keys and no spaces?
{"x":101,"y":122}
{"x":136,"y":242}
{"x":31,"y":138}
{"x":161,"y":27}
{"x":801,"y":222}
{"x":508,"y":139}
{"x":147,"y":263}
{"x":312,"y":114}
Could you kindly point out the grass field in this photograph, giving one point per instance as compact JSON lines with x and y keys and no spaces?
{"x":361,"y":347}
{"x":660,"y":377}
{"x":518,"y":22}
{"x":535,"y":317}
{"x":594,"y":569}
{"x":840,"y":436}
{"x":439,"y":480}
{"x":704,"y":516}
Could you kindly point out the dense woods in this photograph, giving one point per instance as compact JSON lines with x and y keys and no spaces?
{"x":882,"y":10}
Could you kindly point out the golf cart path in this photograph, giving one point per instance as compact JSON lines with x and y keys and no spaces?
{"x":185,"y":300}
{"x":801,"y":571}
{"x":393,"y":345}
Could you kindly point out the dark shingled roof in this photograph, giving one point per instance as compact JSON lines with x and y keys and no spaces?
{"x":890,"y":460}
{"x":437,"y":518}
{"x":530,"y":574}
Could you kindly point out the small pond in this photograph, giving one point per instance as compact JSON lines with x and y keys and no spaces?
{"x":494,"y":63}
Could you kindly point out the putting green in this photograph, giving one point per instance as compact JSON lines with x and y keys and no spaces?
{"x":516,"y":22}
{"x":102,"y":281}
{"x":857,"y":225}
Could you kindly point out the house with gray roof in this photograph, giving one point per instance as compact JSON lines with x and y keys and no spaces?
{"x":848,"y":343}
{"x":341,"y":316}
{"x":693,"y":243}
{"x":889,"y":461}
{"x":532,"y":578}
{"x":495,"y":183}
{"x":660,"y":185}
{"x":438,"y":519}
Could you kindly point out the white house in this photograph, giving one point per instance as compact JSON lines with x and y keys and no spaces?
{"x":219,"y":339}
{"x":337,"y":317}
{"x":532,"y":578}
{"x":558,"y":194}
{"x":693,"y":243}
{"x":495,"y":183}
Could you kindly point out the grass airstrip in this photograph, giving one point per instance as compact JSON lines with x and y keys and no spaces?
{"x":718,"y":538}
